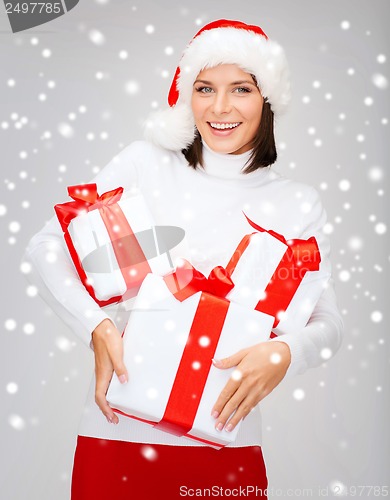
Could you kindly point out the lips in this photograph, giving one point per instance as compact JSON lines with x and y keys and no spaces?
{"x":222,"y":132}
{"x":224,"y":125}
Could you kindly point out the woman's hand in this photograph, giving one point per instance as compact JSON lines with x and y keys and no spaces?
{"x":108,"y":348}
{"x":259,"y":369}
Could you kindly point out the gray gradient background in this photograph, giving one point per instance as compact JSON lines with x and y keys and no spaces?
{"x":339,"y":432}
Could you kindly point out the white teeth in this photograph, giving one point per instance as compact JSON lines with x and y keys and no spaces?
{"x":223,"y":126}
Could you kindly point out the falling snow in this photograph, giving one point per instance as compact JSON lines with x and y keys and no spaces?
{"x":32,"y":290}
{"x":375,"y":174}
{"x":275,"y":358}
{"x":299,"y":394}
{"x":149,"y":453}
{"x":376,"y":316}
{"x":368,"y":101}
{"x":380,"y":81}
{"x":28,"y":328}
{"x":326,"y":353}
{"x":25,"y":267}
{"x":380,"y":228}
{"x":12,"y":388}
{"x":97,"y":37}
{"x":132,"y":87}
{"x":10,"y":324}
{"x":236,"y":375}
{"x":66,"y":130}
{"x":17,"y":422}
{"x":64,"y":344}
{"x":58,"y":134}
{"x":344,"y":185}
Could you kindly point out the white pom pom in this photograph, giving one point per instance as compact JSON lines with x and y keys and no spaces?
{"x":171,"y":128}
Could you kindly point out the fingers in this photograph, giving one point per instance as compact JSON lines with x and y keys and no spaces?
{"x":239,"y":396}
{"x":226,"y":394}
{"x":114,"y":347}
{"x":236,"y":407}
{"x":231,"y":361}
{"x":108,"y":350}
{"x":234,"y":381}
{"x":107,"y":334}
{"x":104,"y":372}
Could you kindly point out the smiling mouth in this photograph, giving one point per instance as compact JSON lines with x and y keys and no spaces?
{"x":224,"y":126}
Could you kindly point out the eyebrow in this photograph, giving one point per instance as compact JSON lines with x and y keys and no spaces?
{"x":240,"y":82}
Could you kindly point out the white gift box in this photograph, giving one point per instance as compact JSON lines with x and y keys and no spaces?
{"x":94,"y":248}
{"x":154,"y":342}
{"x":254,"y":270}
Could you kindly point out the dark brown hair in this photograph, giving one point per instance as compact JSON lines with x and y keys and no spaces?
{"x":264,"y":150}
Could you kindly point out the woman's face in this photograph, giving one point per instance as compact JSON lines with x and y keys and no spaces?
{"x":227,"y":107}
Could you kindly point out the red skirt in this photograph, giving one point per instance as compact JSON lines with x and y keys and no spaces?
{"x":105,"y":469}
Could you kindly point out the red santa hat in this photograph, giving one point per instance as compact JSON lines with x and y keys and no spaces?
{"x":220,"y":42}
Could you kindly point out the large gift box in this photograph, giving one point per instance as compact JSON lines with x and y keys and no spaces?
{"x":169,"y":342}
{"x":113,"y":241}
{"x":283,"y":278}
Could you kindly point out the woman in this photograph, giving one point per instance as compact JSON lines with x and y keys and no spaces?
{"x":205,"y":160}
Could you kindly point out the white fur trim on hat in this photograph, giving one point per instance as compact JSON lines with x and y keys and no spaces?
{"x":174,"y":127}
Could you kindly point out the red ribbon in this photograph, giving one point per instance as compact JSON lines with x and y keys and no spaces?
{"x":130,"y":257}
{"x":187,"y":280}
{"x":195,"y":363}
{"x":300,"y":257}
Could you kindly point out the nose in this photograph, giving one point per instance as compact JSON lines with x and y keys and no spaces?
{"x":221,"y":103}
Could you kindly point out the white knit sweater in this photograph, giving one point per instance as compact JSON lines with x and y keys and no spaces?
{"x":208,"y":204}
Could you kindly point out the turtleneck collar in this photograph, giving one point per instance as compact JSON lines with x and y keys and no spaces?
{"x":229,"y":166}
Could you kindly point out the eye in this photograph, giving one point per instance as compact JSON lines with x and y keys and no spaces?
{"x":242,"y":90}
{"x":204,"y":90}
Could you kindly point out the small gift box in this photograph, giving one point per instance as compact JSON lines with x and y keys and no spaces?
{"x":283,"y":278}
{"x":169,"y":343}
{"x":113,"y":241}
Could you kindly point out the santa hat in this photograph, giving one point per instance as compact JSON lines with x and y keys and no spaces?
{"x":220,"y":42}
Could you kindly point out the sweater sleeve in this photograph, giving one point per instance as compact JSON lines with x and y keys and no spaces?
{"x":320,"y":339}
{"x":53,"y":271}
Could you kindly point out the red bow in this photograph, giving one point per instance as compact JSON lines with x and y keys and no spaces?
{"x":85,"y":198}
{"x":87,"y":194}
{"x":187,"y":281}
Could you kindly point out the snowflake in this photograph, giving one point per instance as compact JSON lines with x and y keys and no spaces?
{"x":380,"y":228}
{"x":299,"y":394}
{"x":97,"y":37}
{"x":368,"y":101}
{"x":149,"y":453}
{"x":132,"y":87}
{"x":10,"y":324}
{"x":380,"y":81}
{"x":28,"y":328}
{"x":65,"y":130}
{"x":12,"y":388}
{"x":376,"y":316}
{"x":17,"y":422}
{"x":63,"y":344}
